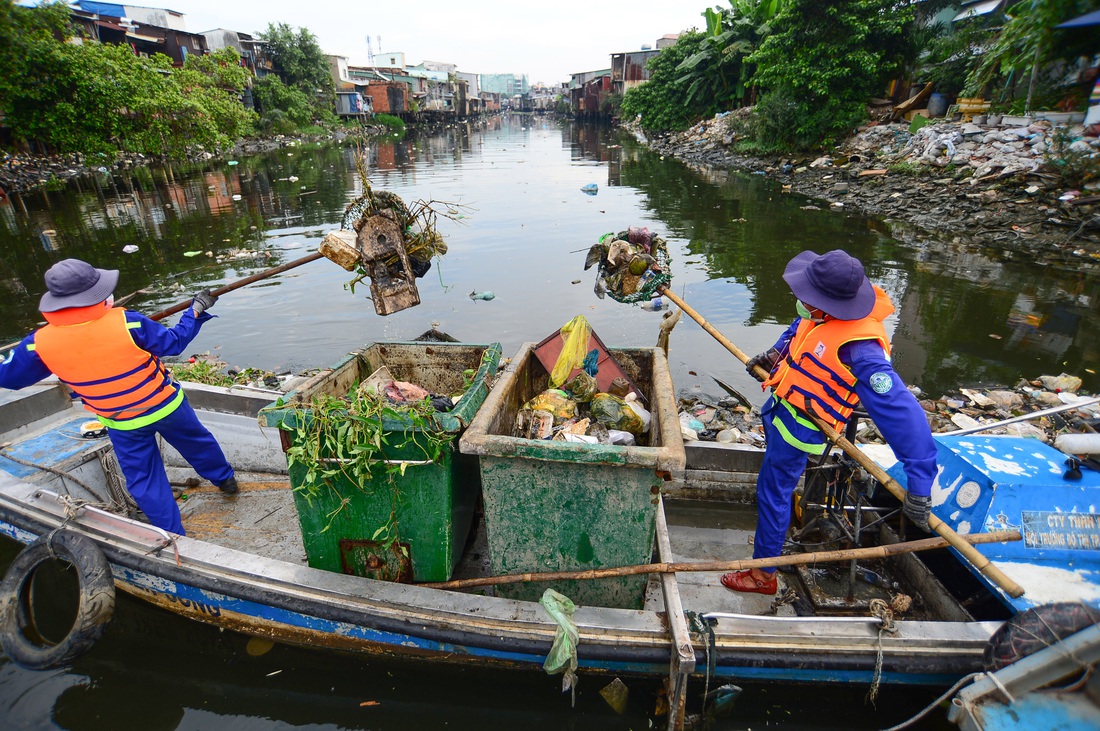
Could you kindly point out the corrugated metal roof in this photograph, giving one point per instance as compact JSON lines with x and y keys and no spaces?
{"x":981,"y":8}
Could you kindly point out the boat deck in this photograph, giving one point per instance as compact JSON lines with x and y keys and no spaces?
{"x":262,"y":520}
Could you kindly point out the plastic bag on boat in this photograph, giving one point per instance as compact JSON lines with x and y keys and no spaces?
{"x":582,"y":386}
{"x":562,"y":657}
{"x":575,"y":334}
{"x":556,"y":402}
{"x":614,"y":413}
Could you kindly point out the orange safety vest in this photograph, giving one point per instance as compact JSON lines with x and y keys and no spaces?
{"x":100,"y":362}
{"x":812,"y":377}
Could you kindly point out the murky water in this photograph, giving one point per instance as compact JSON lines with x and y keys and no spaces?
{"x":964,"y":317}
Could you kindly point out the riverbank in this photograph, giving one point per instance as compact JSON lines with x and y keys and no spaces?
{"x":20,"y":173}
{"x":983,"y":186}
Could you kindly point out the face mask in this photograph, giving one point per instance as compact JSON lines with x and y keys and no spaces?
{"x":110,"y":302}
{"x":805,"y":313}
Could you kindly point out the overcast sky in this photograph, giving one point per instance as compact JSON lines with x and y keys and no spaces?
{"x":545,"y":41}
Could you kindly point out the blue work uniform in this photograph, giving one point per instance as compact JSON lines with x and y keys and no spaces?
{"x":137,"y":450}
{"x":791,"y":437}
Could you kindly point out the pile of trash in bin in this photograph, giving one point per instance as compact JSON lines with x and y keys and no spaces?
{"x":381,"y":386}
{"x":579,"y":412}
{"x":1065,"y":410}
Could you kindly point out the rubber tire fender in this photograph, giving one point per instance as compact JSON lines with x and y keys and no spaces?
{"x":1036,"y":628}
{"x":96,"y":601}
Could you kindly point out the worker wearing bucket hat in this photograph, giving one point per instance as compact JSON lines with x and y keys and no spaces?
{"x":109,"y":357}
{"x":833,"y":357}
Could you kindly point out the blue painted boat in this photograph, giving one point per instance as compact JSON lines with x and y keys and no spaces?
{"x":989,"y":483}
{"x":242,"y":565}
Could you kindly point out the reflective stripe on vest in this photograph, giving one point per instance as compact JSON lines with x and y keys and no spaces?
{"x":101,"y":363}
{"x":813,"y":378}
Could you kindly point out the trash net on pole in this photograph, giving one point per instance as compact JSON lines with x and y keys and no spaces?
{"x":633,"y":265}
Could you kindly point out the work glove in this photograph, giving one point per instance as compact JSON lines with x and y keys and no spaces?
{"x":918,"y":509}
{"x":765,"y":360}
{"x":203,"y":301}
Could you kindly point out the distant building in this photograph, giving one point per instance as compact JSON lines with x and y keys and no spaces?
{"x":147,"y":30}
{"x":587,"y":92}
{"x":507,"y":85}
{"x":667,"y":40}
{"x":249,"y":47}
{"x":628,"y":69}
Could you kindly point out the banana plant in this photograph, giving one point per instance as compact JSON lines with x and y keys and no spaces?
{"x":717,"y":75}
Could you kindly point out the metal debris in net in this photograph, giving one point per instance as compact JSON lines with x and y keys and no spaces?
{"x":633,"y":265}
{"x":393,"y":244}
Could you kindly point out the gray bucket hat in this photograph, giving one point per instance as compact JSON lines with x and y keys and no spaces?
{"x":833,"y":282}
{"x":76,"y":283}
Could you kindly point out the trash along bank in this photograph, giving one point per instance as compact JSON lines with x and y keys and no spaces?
{"x":997,"y":185}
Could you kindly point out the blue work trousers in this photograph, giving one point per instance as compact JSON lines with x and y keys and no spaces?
{"x":139,"y":457}
{"x":783,"y":465}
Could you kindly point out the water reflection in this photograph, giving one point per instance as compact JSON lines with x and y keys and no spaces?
{"x":963,"y":316}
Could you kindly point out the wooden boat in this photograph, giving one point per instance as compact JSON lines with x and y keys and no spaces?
{"x":242,"y":565}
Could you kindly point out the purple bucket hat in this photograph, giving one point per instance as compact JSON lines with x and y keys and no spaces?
{"x":833,"y":282}
{"x":76,"y":283}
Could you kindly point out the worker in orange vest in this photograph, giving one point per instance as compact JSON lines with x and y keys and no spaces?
{"x":109,"y":357}
{"x":833,"y":357}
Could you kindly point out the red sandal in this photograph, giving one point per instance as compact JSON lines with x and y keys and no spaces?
{"x":743,"y":581}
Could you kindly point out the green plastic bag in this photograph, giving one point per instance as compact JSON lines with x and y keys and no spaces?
{"x":614,"y":413}
{"x":562,"y":657}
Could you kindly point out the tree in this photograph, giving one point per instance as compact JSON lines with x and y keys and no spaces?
{"x":92,"y":97}
{"x":821,"y":63}
{"x":284,"y":109}
{"x":301,"y":64}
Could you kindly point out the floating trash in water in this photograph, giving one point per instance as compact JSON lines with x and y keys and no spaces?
{"x":129,"y":249}
{"x":232,"y":162}
{"x":486,"y":295}
{"x":191,"y":253}
{"x":236,"y":196}
{"x":258,"y":646}
{"x":591,"y":189}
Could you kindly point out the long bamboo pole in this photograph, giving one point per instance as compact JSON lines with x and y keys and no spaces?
{"x":796,"y":559}
{"x":968,"y":551}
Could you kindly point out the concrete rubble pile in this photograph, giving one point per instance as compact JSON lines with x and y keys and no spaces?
{"x":731,"y":421}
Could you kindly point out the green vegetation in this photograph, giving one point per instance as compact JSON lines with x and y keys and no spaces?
{"x":303,"y":90}
{"x":91,"y":97}
{"x":212,"y":373}
{"x":810,"y":67}
{"x":390,"y":121}
{"x":821,"y":63}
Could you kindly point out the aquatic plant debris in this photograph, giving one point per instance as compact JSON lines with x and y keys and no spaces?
{"x":486,"y":295}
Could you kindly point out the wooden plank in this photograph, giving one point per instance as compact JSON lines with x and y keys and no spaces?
{"x":683,"y":654}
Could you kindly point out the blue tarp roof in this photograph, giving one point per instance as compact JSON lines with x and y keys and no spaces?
{"x":111,"y":10}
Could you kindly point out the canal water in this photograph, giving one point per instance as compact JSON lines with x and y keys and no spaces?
{"x":519,"y":226}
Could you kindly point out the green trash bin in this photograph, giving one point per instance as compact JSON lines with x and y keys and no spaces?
{"x":392,"y":526}
{"x":565,"y":506}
